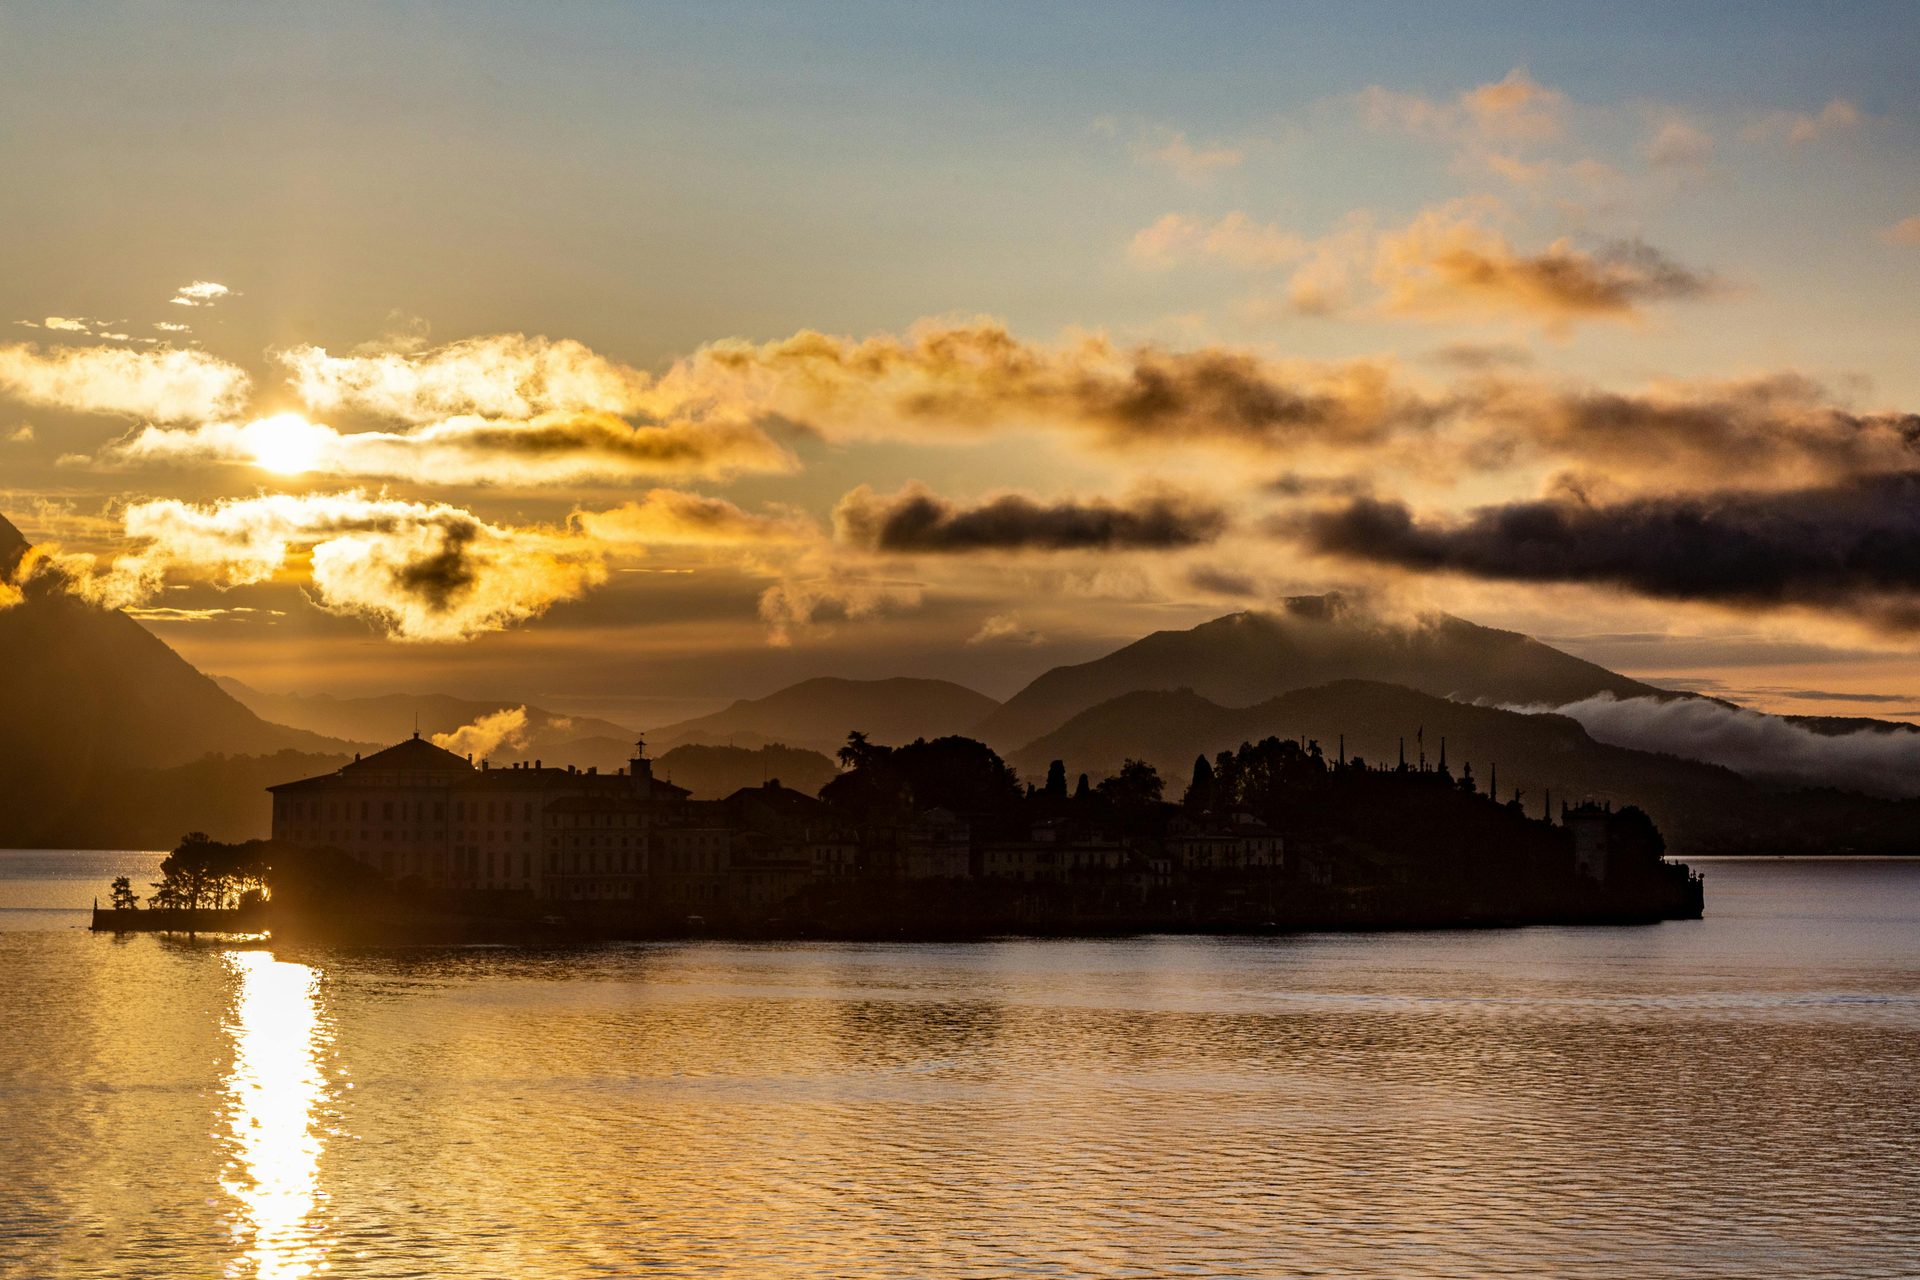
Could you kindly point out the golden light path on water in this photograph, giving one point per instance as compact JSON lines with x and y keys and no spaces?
{"x":273,"y":1094}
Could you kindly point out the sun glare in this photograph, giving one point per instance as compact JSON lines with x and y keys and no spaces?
{"x":273,"y":1091}
{"x":285,"y":444}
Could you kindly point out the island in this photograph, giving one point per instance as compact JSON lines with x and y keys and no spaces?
{"x":936,"y":839}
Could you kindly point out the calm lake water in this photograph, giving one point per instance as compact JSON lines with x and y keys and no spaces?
{"x":1732,"y":1097}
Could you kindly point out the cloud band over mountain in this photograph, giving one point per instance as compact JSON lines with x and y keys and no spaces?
{"x":918,"y":520}
{"x":1853,"y":547}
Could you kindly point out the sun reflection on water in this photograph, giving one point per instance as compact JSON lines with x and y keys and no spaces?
{"x":273,"y":1092}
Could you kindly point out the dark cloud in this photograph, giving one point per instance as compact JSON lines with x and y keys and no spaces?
{"x":1853,"y":547}
{"x":1222,"y":582}
{"x":442,"y":576}
{"x":918,"y":520}
{"x":1480,"y":356}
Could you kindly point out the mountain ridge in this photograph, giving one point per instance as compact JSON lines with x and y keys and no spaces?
{"x":820,"y":712}
{"x":1241,"y":658}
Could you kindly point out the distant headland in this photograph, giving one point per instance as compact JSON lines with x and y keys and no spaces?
{"x":934,"y":839}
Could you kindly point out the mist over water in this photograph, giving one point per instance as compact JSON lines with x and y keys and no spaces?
{"x":1726,"y":1097}
{"x":1877,"y":761}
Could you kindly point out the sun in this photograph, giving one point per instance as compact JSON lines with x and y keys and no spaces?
{"x":285,"y":444}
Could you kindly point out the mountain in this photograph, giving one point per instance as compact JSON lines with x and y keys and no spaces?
{"x":86,"y":692}
{"x":390,"y":718}
{"x":820,"y":713}
{"x":1245,"y":657}
{"x":714,"y":773}
{"x":1702,"y":808}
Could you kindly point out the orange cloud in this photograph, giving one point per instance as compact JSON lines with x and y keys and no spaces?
{"x":164,"y":385}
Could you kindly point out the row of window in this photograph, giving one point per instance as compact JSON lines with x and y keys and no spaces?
{"x":407,"y":810}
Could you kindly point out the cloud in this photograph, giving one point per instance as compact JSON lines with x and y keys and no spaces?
{"x":487,"y":734}
{"x":1679,"y":144}
{"x":971,"y":378}
{"x":1886,"y":762}
{"x":498,"y":376}
{"x":1782,"y":430}
{"x":1447,"y":263}
{"x":667,"y":516}
{"x":1478,"y":357}
{"x":166,"y":386}
{"x":552,"y":448}
{"x":1852,"y":548}
{"x":800,"y":603}
{"x":1450,"y":262}
{"x":1192,"y":164}
{"x":1005,"y":629}
{"x":172,"y":328}
{"x":1794,"y":128}
{"x":419,"y":571}
{"x":918,"y":520}
{"x":1221,"y":582}
{"x":71,"y":326}
{"x":1905,"y":231}
{"x":22,"y":434}
{"x":201,"y":293}
{"x":1513,"y":109}
{"x":1235,"y":239}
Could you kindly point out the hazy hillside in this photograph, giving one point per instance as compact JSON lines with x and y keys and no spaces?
{"x":1702,"y":808}
{"x":714,"y":773}
{"x":1246,"y":657}
{"x":224,"y":796}
{"x":598,"y":752}
{"x":390,"y":718}
{"x":85,"y":692}
{"x":819,"y":713}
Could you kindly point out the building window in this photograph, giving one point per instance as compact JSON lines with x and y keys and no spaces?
{"x":386,"y":809}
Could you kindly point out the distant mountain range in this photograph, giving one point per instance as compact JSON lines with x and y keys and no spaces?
{"x":1247,"y":657}
{"x":107,"y":737}
{"x":819,"y":713}
{"x":391,"y":718}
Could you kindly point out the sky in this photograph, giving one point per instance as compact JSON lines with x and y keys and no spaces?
{"x":629,"y":359}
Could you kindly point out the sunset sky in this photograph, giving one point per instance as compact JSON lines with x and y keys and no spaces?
{"x":628,"y":361}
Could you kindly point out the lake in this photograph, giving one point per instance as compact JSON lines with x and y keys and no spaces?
{"x":1737,"y":1096}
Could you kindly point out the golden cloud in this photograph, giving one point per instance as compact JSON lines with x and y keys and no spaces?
{"x":1448,"y":263}
{"x":498,"y":376}
{"x":163,"y":385}
{"x":549,"y":449}
{"x":420,"y":571}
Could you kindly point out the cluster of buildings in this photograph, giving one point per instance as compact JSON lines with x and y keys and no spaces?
{"x":416,"y":810}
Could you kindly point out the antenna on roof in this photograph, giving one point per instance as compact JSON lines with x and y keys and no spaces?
{"x":416,"y":722}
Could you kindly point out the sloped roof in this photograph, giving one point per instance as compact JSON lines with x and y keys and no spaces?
{"x":415,"y":755}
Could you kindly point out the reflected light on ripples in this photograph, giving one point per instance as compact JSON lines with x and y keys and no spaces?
{"x":272,"y":1093}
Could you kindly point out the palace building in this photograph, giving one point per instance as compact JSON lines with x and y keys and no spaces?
{"x":415,"y":810}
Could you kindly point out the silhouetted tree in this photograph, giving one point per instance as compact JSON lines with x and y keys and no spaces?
{"x":1057,"y":780}
{"x":1200,"y":790}
{"x":859,"y":753}
{"x":1136,"y":786}
{"x":949,"y":773}
{"x":124,"y":898}
{"x":1082,"y":790}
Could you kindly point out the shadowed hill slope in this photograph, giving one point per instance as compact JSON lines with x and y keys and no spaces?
{"x":1245,"y":657}
{"x":87,"y":691}
{"x":819,"y":714}
{"x":1702,"y":808}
